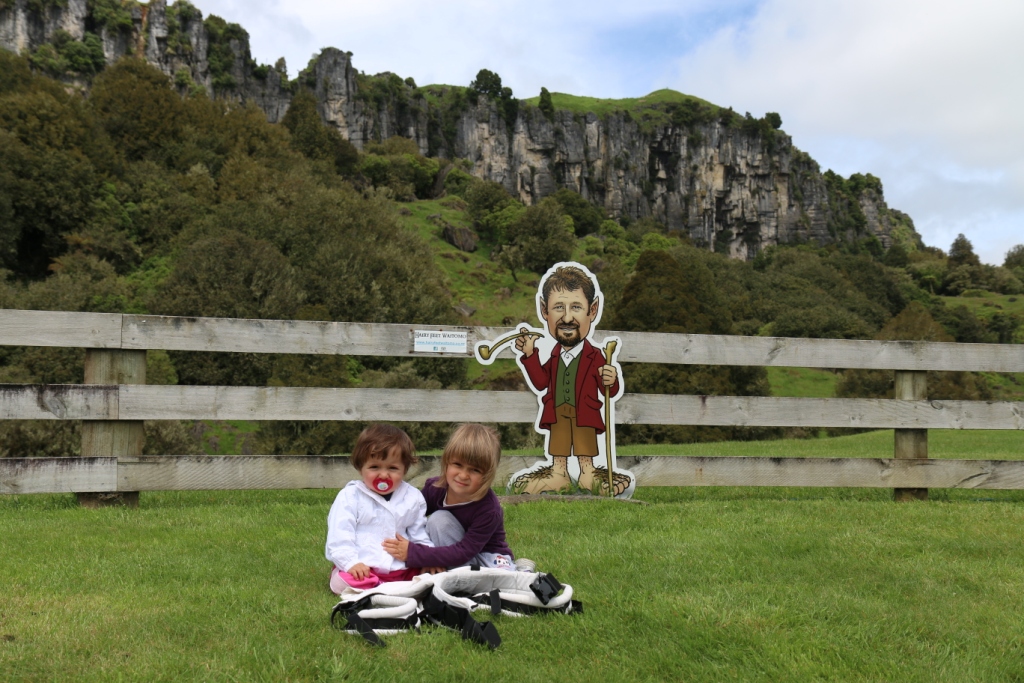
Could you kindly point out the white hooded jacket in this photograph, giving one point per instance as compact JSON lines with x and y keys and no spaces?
{"x":360,"y":520}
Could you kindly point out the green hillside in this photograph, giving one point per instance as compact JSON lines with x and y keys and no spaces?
{"x":648,"y":106}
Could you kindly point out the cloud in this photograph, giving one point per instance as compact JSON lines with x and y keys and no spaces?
{"x":601,"y":48}
{"x":926,"y":96}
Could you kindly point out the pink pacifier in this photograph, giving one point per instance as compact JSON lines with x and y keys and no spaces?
{"x":382,"y":485}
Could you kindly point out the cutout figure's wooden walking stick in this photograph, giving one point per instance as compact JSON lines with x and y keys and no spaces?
{"x":609,"y":351}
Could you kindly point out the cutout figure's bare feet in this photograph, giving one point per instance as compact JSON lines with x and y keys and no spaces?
{"x":598,"y":477}
{"x":542,"y":480}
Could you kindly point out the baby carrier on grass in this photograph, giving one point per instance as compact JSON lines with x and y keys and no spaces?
{"x":448,"y":599}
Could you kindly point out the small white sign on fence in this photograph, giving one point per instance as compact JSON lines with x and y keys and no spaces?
{"x":440,"y":341}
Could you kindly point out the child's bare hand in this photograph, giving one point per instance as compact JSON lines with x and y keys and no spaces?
{"x":359,"y":571}
{"x":433,"y":570}
{"x":397,"y":548}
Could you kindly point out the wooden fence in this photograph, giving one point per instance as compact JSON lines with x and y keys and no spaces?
{"x":114,"y":402}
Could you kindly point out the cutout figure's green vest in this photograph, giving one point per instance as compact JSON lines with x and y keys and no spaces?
{"x":565,"y":381}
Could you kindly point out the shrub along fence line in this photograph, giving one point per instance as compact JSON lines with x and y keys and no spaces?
{"x":114,"y":402}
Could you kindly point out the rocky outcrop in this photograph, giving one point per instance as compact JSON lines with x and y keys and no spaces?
{"x":22,"y":29}
{"x":734,"y":188}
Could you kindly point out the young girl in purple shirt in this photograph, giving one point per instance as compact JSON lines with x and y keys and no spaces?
{"x":465,"y":521}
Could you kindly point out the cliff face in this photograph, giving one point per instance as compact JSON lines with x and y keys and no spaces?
{"x":22,"y":29}
{"x":733,"y":188}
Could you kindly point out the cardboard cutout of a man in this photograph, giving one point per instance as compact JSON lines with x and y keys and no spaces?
{"x":570,"y":381}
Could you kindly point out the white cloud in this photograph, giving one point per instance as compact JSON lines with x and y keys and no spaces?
{"x":925,"y":95}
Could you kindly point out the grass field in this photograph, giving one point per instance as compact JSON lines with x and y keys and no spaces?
{"x":702,"y":584}
{"x":231,"y":586}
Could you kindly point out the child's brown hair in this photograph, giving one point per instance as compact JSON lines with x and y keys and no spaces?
{"x":475,"y":445}
{"x":377,"y":440}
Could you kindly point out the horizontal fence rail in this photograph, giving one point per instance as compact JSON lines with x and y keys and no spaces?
{"x":156,"y":402}
{"x":141,"y":332}
{"x":200,"y":473}
{"x":116,"y":403}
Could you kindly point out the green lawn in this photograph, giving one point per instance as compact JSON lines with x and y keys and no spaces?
{"x":699,"y":585}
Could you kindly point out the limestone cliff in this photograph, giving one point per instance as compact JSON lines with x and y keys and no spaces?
{"x":732,"y":184}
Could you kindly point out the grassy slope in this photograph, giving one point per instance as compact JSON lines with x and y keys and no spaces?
{"x":603,"y":106}
{"x":988,"y":303}
{"x":743,"y":584}
{"x":472,"y":278}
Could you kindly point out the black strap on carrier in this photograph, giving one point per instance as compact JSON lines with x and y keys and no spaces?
{"x":366,"y":627}
{"x":440,"y":613}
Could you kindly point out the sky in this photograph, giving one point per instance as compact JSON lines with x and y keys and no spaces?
{"x":928,"y":95}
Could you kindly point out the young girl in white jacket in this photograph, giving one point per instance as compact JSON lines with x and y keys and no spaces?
{"x":378,"y":506}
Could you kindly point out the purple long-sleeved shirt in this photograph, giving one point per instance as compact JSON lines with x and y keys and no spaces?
{"x":483,"y":521}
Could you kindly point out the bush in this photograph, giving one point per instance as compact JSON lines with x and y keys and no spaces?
{"x":69,"y":56}
{"x":114,"y":15}
{"x":220,"y":34}
{"x":586,"y":218}
{"x":229,"y":276}
{"x":484,"y":196}
{"x":408,"y":176}
{"x":538,"y":238}
{"x":458,"y":182}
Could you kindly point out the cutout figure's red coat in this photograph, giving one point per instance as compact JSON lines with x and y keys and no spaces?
{"x":589,"y":389}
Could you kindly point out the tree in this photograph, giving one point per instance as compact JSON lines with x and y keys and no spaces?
{"x":546,"y":106}
{"x":137,"y":107}
{"x":586,"y":218}
{"x":484,"y":196}
{"x":542,"y":234}
{"x":961,"y":253}
{"x":1014,"y":257}
{"x":314,"y":139}
{"x":773,"y":120}
{"x":487,"y":83}
{"x":896,"y":256}
{"x":658,"y":298}
{"x":48,"y":182}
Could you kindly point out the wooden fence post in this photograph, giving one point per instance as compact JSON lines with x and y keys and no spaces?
{"x":113,"y":437}
{"x":911,"y":443}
